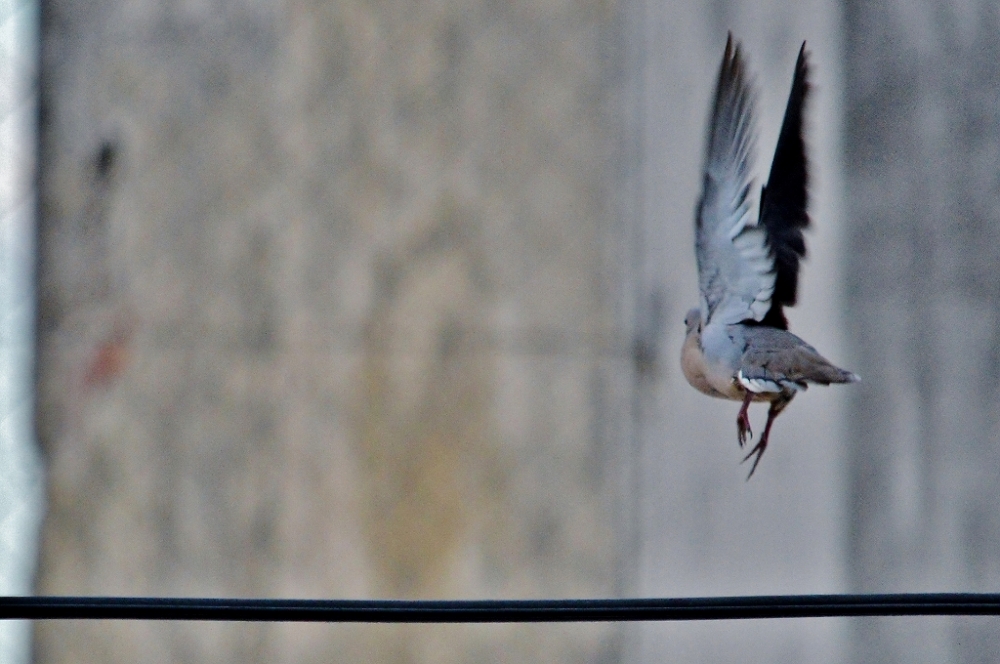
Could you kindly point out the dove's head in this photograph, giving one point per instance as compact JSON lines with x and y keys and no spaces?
{"x":693,"y":320}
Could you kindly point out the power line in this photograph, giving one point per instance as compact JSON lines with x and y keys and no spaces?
{"x":496,"y":611}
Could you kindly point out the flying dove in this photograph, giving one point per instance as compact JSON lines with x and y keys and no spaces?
{"x":738,"y":345}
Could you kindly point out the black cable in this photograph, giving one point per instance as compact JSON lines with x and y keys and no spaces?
{"x":496,"y":611}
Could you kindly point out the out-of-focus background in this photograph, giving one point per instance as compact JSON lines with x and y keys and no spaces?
{"x":372,"y":299}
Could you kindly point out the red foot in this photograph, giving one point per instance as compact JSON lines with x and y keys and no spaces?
{"x":743,"y":432}
{"x":759,"y":451}
{"x":761,"y":445}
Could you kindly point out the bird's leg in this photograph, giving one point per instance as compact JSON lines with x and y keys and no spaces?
{"x":743,"y":431}
{"x":772,"y":413}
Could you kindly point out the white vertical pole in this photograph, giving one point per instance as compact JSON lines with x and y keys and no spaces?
{"x":20,"y":467}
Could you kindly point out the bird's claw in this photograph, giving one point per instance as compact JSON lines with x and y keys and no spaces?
{"x":743,"y":431}
{"x":758,"y":450}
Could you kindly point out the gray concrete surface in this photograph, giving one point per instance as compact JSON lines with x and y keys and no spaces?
{"x":922,"y":149}
{"x":326,"y":308}
{"x":386,"y":300}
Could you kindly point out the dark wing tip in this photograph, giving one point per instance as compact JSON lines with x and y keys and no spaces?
{"x":730,"y":84}
{"x":785,"y":199}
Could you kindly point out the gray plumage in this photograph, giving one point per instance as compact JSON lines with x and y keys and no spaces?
{"x":738,"y":345}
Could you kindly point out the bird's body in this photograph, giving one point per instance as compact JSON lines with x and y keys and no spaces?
{"x":738,"y":345}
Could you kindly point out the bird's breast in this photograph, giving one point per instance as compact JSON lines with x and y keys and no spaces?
{"x":706,"y":377}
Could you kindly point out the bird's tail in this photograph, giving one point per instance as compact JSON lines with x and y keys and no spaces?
{"x":825,"y":373}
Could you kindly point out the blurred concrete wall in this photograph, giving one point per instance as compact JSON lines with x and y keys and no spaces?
{"x":372,"y":299}
{"x":923,"y":174}
{"x":328,"y":307}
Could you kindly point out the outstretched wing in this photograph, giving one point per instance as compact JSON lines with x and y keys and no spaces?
{"x":784,"y":199}
{"x":735,"y":266}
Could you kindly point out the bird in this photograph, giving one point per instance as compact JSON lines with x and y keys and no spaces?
{"x":737,"y":344}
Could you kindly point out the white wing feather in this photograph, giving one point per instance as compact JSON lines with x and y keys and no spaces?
{"x":735,"y":266}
